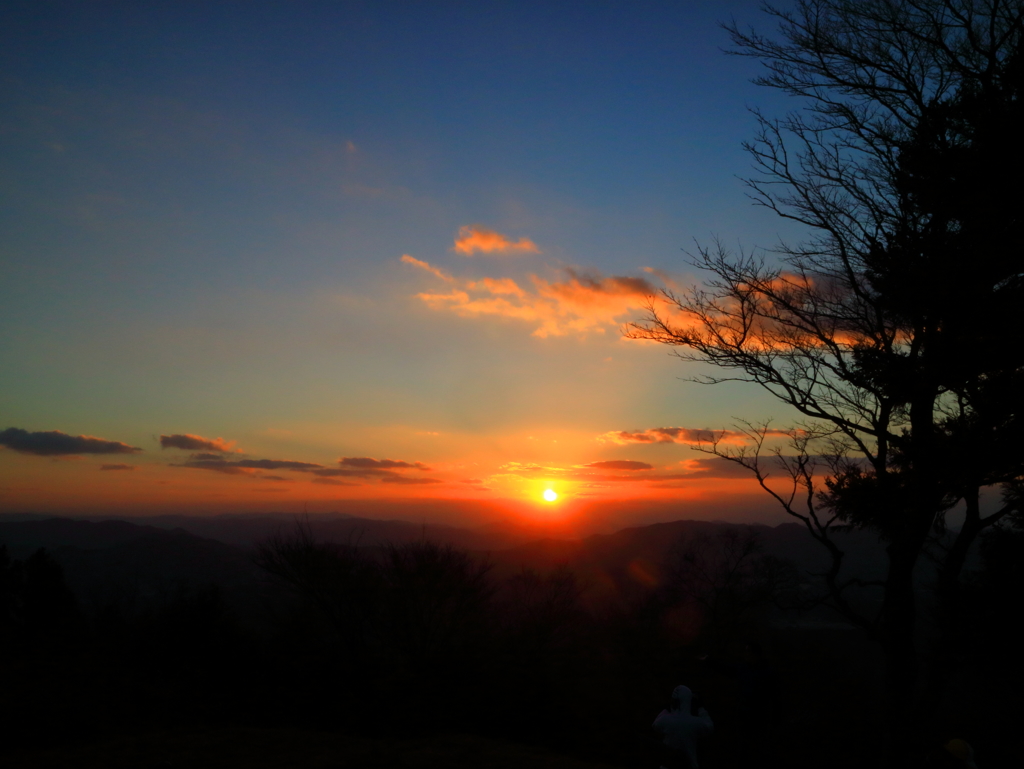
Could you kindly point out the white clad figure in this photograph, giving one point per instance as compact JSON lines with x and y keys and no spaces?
{"x":683,"y":731}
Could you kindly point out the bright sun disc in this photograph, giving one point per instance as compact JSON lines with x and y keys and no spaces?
{"x":550,"y":495}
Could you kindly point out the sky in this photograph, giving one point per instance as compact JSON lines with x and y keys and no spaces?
{"x":373,"y":256}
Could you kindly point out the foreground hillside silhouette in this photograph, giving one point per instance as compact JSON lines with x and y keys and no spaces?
{"x":123,"y":640}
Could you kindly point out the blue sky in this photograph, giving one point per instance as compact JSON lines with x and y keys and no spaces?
{"x":205,"y":207}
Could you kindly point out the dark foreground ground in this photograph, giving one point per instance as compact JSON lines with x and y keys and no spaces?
{"x":280,"y":748}
{"x":130,"y":646}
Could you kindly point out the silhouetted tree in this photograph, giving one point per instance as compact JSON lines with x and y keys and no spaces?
{"x":37,"y":608}
{"x":727,"y":576}
{"x":540,"y":612}
{"x":411,"y":615}
{"x":8,"y":593}
{"x":993,"y":593}
{"x":893,"y":329}
{"x":42,"y":638}
{"x":436,"y":602}
{"x":542,"y":631}
{"x":341,"y":580}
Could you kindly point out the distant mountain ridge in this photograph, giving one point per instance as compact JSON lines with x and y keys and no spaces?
{"x":115,"y":560}
{"x":199,"y":547}
{"x":643,"y":549}
{"x":53,"y":533}
{"x":246,"y":530}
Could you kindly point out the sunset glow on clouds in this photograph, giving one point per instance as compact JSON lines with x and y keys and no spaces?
{"x":365,"y":477}
{"x":582,"y":302}
{"x":366,"y":468}
{"x":475,"y":239}
{"x":397,"y":275}
{"x":244,"y":466}
{"x":686,"y":435}
{"x":195,"y":443}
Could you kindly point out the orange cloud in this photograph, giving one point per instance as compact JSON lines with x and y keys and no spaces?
{"x":519,"y":467}
{"x":218,"y":464}
{"x":621,"y":464}
{"x":762,"y":320}
{"x":372,"y":465}
{"x":716,"y":467}
{"x":665,"y":278}
{"x":621,"y":471}
{"x":680,"y":435}
{"x":334,"y":482}
{"x":476,"y":239}
{"x":426,"y":266}
{"x":190,"y":442}
{"x":585,"y":302}
{"x":604,"y":478}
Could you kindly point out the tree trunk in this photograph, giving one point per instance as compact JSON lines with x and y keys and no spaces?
{"x":899,"y":607}
{"x":948,"y":610}
{"x":898,"y":617}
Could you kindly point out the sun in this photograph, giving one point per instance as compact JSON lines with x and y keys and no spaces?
{"x":550,"y":495}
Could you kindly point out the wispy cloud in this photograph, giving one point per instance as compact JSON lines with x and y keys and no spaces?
{"x":54,"y":443}
{"x":437,"y":271}
{"x":189,"y":442}
{"x":603,"y":472}
{"x":244,"y":466}
{"x":334,"y":482}
{"x":215,"y":465}
{"x":117,"y":467}
{"x":333,"y":472}
{"x":589,"y":474}
{"x":583,"y":302}
{"x":680,"y":435}
{"x":520,"y":467}
{"x":621,"y":464}
{"x":668,"y":279}
{"x":629,"y":472}
{"x":716,"y":467}
{"x":385,"y":470}
{"x":368,"y":463}
{"x":278,"y":464}
{"x":476,"y":239}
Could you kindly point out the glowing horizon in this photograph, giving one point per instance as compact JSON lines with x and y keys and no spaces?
{"x":304,"y":276}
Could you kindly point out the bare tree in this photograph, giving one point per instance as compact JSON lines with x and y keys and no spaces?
{"x":417,"y":608}
{"x":892,"y":329}
{"x":541,"y":611}
{"x":341,"y":581}
{"x":437,"y":597}
{"x":727,"y":575}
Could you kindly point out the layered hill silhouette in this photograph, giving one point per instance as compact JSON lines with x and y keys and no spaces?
{"x":152,"y":625}
{"x":119,"y":562}
{"x":107,"y":557}
{"x":641,"y":550}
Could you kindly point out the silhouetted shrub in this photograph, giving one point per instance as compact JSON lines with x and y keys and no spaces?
{"x":728,"y":578}
{"x":37,"y":608}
